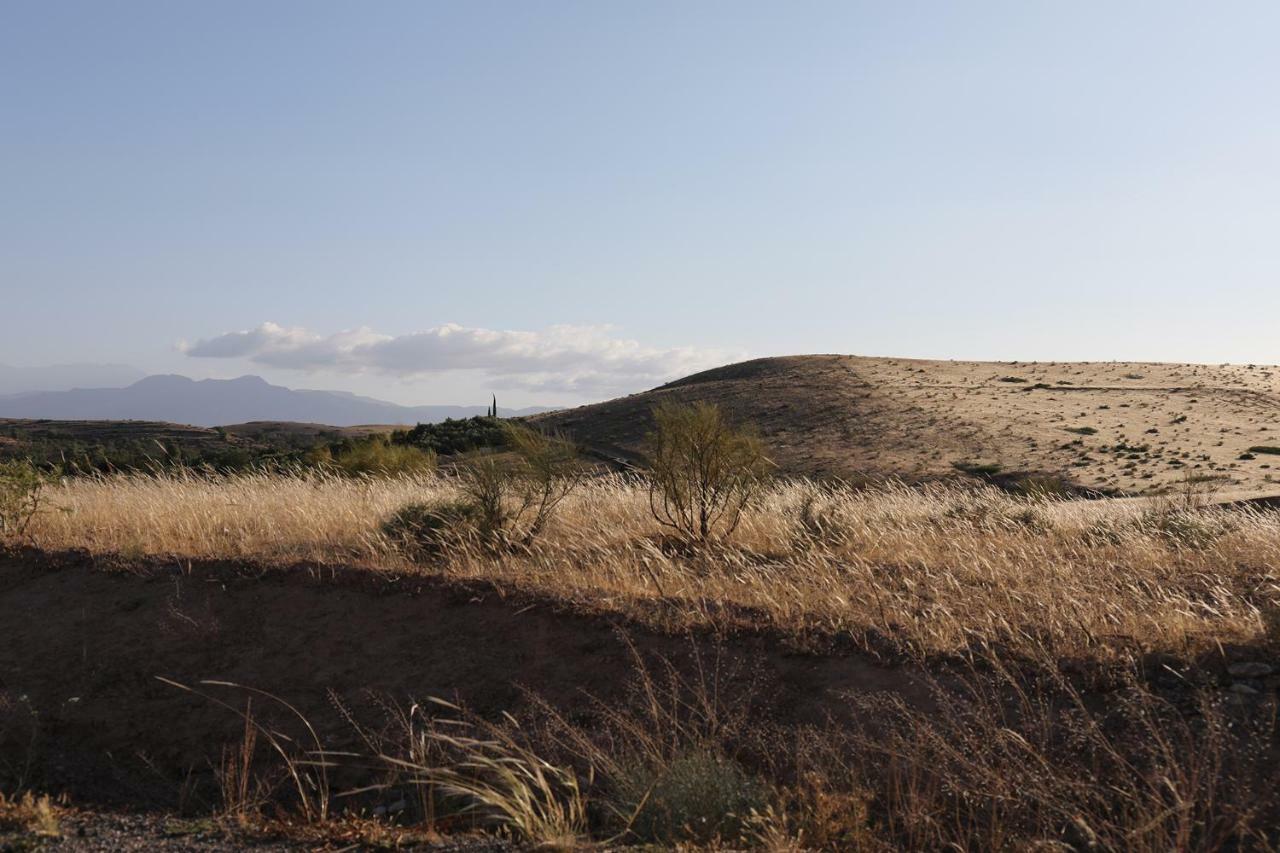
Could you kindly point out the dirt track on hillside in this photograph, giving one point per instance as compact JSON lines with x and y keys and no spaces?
{"x":84,"y":645}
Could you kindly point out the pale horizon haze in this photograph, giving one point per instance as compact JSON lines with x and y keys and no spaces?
{"x":561,"y":202}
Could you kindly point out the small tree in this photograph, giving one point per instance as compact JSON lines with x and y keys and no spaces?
{"x":549,"y":471}
{"x":21,"y":492}
{"x":702,"y":470}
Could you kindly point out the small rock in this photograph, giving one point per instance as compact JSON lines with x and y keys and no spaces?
{"x":1243,"y":689}
{"x":1250,"y":669}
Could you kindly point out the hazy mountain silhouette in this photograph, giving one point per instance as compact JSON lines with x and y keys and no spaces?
{"x":211,"y":402}
{"x":64,"y":377}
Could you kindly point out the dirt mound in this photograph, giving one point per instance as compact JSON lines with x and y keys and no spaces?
{"x":755,"y":369}
{"x":1114,"y":427}
{"x":84,"y":711}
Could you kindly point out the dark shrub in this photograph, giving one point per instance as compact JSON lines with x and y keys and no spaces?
{"x":425,"y":529}
{"x":978,"y":469}
{"x":457,"y":436}
{"x":699,"y":796}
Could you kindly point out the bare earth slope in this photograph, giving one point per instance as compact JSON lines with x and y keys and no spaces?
{"x":1118,"y":426}
{"x":103,"y":636}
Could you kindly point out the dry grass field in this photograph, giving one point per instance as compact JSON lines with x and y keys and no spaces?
{"x":937,"y":667}
{"x":937,"y":569}
{"x":1119,"y":427}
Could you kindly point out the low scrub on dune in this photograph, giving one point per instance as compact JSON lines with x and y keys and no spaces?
{"x":929,"y":570}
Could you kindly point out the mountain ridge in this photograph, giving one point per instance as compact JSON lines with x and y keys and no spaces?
{"x":177,"y":399}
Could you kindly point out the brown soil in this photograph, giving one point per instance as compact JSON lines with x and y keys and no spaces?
{"x":88,"y":830}
{"x":85,"y":643}
{"x":1112,"y":426}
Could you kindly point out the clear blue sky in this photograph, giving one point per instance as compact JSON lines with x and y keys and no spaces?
{"x":1016,"y":180}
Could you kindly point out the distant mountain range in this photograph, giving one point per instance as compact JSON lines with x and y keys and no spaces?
{"x":214,"y":402}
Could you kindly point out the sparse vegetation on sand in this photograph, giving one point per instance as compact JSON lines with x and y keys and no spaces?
{"x":868,"y":419}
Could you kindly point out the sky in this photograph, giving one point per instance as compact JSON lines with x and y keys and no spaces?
{"x":566,"y":201}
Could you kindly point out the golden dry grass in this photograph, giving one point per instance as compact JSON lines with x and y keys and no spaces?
{"x":937,"y":570}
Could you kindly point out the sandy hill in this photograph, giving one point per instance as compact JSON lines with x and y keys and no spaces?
{"x":1122,"y":427}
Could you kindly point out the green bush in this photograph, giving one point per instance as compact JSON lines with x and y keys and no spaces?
{"x":1264,"y":448}
{"x":457,"y":436}
{"x":376,"y":455}
{"x":699,"y":796}
{"x":425,"y":529}
{"x":21,"y":490}
{"x":702,"y":471}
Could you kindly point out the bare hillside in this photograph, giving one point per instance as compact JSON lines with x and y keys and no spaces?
{"x":1123,"y":427}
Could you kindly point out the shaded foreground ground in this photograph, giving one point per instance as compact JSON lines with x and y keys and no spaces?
{"x":1176,"y":759}
{"x":84,"y":712}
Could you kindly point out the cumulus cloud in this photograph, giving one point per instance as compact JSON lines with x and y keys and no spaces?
{"x":578,"y":359}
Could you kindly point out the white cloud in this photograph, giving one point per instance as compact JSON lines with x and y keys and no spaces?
{"x":586,"y":360}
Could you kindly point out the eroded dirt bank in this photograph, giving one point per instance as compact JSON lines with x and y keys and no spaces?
{"x":83,"y":644}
